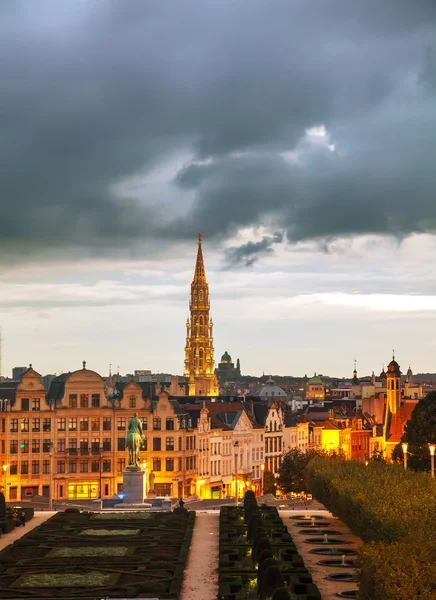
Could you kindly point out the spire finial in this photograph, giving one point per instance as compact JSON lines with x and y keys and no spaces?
{"x":393,"y":354}
{"x":200,"y":238}
{"x":30,"y":366}
{"x":84,"y":364}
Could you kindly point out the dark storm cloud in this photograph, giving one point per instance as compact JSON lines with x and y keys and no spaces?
{"x":95,"y":92}
{"x":249,"y":253}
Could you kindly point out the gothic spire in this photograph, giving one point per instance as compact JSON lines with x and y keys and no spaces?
{"x":199,"y":273}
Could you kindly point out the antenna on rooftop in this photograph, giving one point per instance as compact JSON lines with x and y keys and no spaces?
{"x":1,"y":351}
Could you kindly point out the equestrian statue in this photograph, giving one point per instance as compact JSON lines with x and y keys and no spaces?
{"x":134,"y":440}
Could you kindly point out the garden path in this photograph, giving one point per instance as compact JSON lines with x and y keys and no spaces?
{"x":15,"y":534}
{"x":201,"y":573}
{"x":319,"y":573}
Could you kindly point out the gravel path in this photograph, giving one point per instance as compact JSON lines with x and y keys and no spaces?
{"x":15,"y":534}
{"x":201,"y":573}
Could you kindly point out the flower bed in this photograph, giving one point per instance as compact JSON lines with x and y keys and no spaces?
{"x":257,"y":555}
{"x":79,"y":556}
{"x":393,"y":511}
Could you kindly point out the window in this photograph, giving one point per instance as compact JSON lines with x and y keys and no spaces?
{"x":107,"y":424}
{"x":95,"y":466}
{"x":169,"y":424}
{"x":14,"y":425}
{"x":46,"y":466}
{"x":84,"y":402}
{"x":72,"y":401}
{"x":46,"y":424}
{"x":35,"y":446}
{"x":61,"y":445}
{"x":62,"y":424}
{"x":144,"y":423}
{"x":95,"y":400}
{"x":72,"y":466}
{"x":36,"y":404}
{"x":61,"y":466}
{"x":121,"y":464}
{"x":106,"y":466}
{"x":83,"y":466}
{"x":72,"y":445}
{"x":180,"y":465}
{"x":95,"y":423}
{"x":95,"y":445}
{"x":169,"y":464}
{"x":36,"y":426}
{"x":72,"y":424}
{"x":24,"y":446}
{"x":24,"y":424}
{"x":180,"y":444}
{"x":156,"y":464}
{"x":169,"y":444}
{"x":46,"y":445}
{"x":132,"y":402}
{"x":84,"y":423}
{"x":13,"y":468}
{"x":84,"y":445}
{"x":144,"y":444}
{"x":35,"y":467}
{"x":24,"y":403}
{"x":156,"y":444}
{"x":121,"y":444}
{"x":24,"y":467}
{"x":107,"y":444}
{"x":13,"y":446}
{"x":121,"y":423}
{"x":156,"y":424}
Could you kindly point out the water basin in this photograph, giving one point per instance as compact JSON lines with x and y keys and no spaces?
{"x":307,"y":517}
{"x":333,"y":551}
{"x":348,"y":594}
{"x":346,"y":577}
{"x":337,"y":562}
{"x":328,"y":541}
{"x":315,"y":531}
{"x":316,"y":524}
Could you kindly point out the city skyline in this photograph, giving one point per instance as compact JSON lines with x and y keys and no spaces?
{"x":298,"y":138}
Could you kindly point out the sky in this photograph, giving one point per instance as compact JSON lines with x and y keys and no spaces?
{"x":299,"y":136}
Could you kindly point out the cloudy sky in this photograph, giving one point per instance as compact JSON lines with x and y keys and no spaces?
{"x":298,"y":135}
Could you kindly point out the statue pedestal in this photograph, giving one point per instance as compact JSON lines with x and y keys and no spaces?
{"x":133,"y":485}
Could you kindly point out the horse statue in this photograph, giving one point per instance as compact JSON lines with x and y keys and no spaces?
{"x":134,"y":440}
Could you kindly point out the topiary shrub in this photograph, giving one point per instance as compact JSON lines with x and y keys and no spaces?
{"x":72,"y":511}
{"x":264,"y":555}
{"x":2,"y":505}
{"x":254,"y":522}
{"x":262,"y":544}
{"x":281,"y":593}
{"x":272,"y":579}
{"x":262,"y":568}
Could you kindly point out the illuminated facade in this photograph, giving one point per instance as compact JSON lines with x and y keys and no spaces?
{"x":199,"y":351}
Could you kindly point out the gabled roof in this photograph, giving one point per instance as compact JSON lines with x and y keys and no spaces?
{"x":395,"y":422}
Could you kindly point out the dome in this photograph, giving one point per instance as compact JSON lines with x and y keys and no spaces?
{"x":394,"y":368}
{"x":315,"y":380}
{"x":271,"y":389}
{"x":226,"y":357}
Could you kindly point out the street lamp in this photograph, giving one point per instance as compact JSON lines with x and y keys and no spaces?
{"x":50,"y":489}
{"x":236,"y":446}
{"x":5,"y":468}
{"x":432,"y":449}
{"x":262,"y":470}
{"x":144,"y":468}
{"x":404,"y":447}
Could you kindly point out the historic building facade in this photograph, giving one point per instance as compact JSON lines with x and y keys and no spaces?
{"x":199,"y":350}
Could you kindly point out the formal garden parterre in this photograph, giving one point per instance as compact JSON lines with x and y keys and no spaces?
{"x":82,"y":555}
{"x":257,"y":557}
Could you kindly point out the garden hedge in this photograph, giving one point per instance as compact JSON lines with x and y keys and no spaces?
{"x":394,"y":512}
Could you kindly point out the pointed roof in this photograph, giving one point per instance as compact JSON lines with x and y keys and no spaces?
{"x":199,"y":273}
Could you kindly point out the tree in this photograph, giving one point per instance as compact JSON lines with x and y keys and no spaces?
{"x":420,"y":431}
{"x":291,"y":471}
{"x":269,"y":483}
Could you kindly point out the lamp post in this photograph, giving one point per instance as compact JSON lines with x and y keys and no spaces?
{"x":236,"y":446}
{"x":5,"y":468}
{"x":101,"y":465}
{"x":404,"y":447}
{"x":144,"y":468}
{"x":262,"y":470}
{"x":50,"y":489}
{"x":432,"y":449}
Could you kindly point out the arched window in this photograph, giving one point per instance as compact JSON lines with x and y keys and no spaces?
{"x":201,"y":358}
{"x":200,"y":296}
{"x":201,"y":325}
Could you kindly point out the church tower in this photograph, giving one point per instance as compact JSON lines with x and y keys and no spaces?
{"x":393,"y":385}
{"x":199,"y":352}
